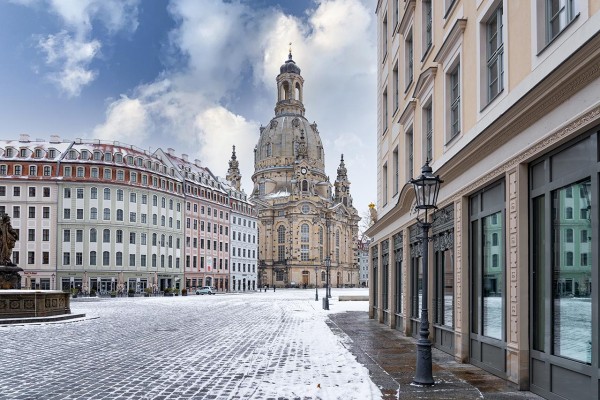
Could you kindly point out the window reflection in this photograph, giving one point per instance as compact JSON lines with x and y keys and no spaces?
{"x":493,"y":272}
{"x":572,"y":272}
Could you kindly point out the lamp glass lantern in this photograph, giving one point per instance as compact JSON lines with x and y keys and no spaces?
{"x":427,"y":188}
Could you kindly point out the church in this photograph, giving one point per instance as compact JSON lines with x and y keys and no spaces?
{"x":307,"y":226}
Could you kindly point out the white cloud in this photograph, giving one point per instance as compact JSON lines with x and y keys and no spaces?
{"x":70,"y":52}
{"x":73,"y":57}
{"x":124,"y":118}
{"x":231,"y":49}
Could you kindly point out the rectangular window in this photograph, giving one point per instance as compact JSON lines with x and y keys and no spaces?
{"x":46,"y":212}
{"x":396,"y":84}
{"x":454,"y":105}
{"x":495,"y":54}
{"x":31,"y":212}
{"x":428,"y":117}
{"x":384,"y":37}
{"x":31,"y":192}
{"x":16,"y":212}
{"x":559,"y":13}
{"x":427,"y":26}
{"x":396,"y":177}
{"x":384,"y":114}
{"x":384,"y":184}
{"x":572,"y":283}
{"x":410,"y":153}
{"x":409,"y":56}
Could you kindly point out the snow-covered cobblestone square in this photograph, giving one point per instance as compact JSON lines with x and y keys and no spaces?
{"x":231,"y":346}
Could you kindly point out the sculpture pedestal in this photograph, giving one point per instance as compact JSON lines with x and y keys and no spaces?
{"x":10,"y":277}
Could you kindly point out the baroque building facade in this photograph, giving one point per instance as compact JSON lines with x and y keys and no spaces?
{"x":307,"y":226}
{"x":105,"y":217}
{"x":501,"y":97}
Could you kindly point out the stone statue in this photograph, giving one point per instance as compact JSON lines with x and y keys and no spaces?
{"x":373,"y":212}
{"x":8,"y":238}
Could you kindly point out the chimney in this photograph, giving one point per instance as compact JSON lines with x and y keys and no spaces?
{"x":170,"y":151}
{"x":24,"y":138}
{"x":184,"y":157}
{"x":197,"y":162}
{"x":54,"y":139}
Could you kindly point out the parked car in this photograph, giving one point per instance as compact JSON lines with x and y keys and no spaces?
{"x":206,"y":290}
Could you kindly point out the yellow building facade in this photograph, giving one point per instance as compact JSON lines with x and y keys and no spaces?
{"x":501,"y":97}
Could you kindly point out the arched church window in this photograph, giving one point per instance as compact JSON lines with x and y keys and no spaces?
{"x":261,"y":188}
{"x":281,"y":243}
{"x":305,"y":185}
{"x":297,"y":92}
{"x":269,"y":149}
{"x":304,"y":233}
{"x":286,"y":90}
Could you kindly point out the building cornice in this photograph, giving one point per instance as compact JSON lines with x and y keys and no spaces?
{"x":451,"y":39}
{"x":425,"y":81}
{"x":409,"y":111}
{"x":407,"y":16}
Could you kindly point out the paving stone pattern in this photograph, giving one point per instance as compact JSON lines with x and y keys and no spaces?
{"x":248,"y":346}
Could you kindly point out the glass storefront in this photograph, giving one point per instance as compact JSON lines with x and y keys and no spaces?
{"x":398,"y":298}
{"x":564,"y":271}
{"x":487,"y":271}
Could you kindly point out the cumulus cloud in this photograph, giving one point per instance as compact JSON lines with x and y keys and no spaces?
{"x":72,"y":57}
{"x":233,"y":54}
{"x":70,"y":53}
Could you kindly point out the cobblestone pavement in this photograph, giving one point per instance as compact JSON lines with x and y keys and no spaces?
{"x":390,"y":358}
{"x":231,"y":346}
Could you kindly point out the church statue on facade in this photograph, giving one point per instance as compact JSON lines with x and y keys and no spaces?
{"x":306,"y":223}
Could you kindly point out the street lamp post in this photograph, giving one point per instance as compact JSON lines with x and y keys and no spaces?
{"x":327,"y":295}
{"x":316,"y":284}
{"x":426,"y":187}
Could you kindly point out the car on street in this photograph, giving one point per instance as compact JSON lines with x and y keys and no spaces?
{"x":206,"y":290}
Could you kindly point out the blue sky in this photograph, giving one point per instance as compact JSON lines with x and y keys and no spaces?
{"x":194,"y":75}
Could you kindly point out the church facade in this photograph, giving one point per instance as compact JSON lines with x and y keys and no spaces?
{"x":307,"y":226}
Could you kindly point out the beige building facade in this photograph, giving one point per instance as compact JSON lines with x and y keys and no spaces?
{"x":502,"y":98}
{"x":305,"y":223}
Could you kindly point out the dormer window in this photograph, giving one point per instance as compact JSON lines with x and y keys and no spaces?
{"x":107,"y":156}
{"x":23,"y":153}
{"x":72,"y":154}
{"x":85,"y":155}
{"x":9,"y":152}
{"x":52,"y":153}
{"x":97,"y":156}
{"x":119,"y":158}
{"x":38,"y":153}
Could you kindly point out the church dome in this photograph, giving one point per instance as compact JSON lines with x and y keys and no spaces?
{"x":289,"y":66}
{"x":287,"y":139}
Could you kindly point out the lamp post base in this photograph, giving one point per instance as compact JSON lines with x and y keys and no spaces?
{"x":424,"y":374}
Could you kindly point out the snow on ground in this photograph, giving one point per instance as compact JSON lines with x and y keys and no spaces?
{"x":228,"y":346}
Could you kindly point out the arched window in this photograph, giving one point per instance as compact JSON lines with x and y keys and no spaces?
{"x":154,"y":239}
{"x":119,"y":215}
{"x":154,"y":260}
{"x":106,"y":236}
{"x":321,"y":243}
{"x":281,"y":243}
{"x":105,"y":258}
{"x":298,"y":92}
{"x":286,"y":90}
{"x":92,"y":258}
{"x":93,"y":235}
{"x":323,"y":276}
{"x":106,"y":194}
{"x":305,"y":185}
{"x":304,"y":233}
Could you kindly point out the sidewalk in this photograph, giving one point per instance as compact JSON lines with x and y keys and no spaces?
{"x":390,"y":358}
